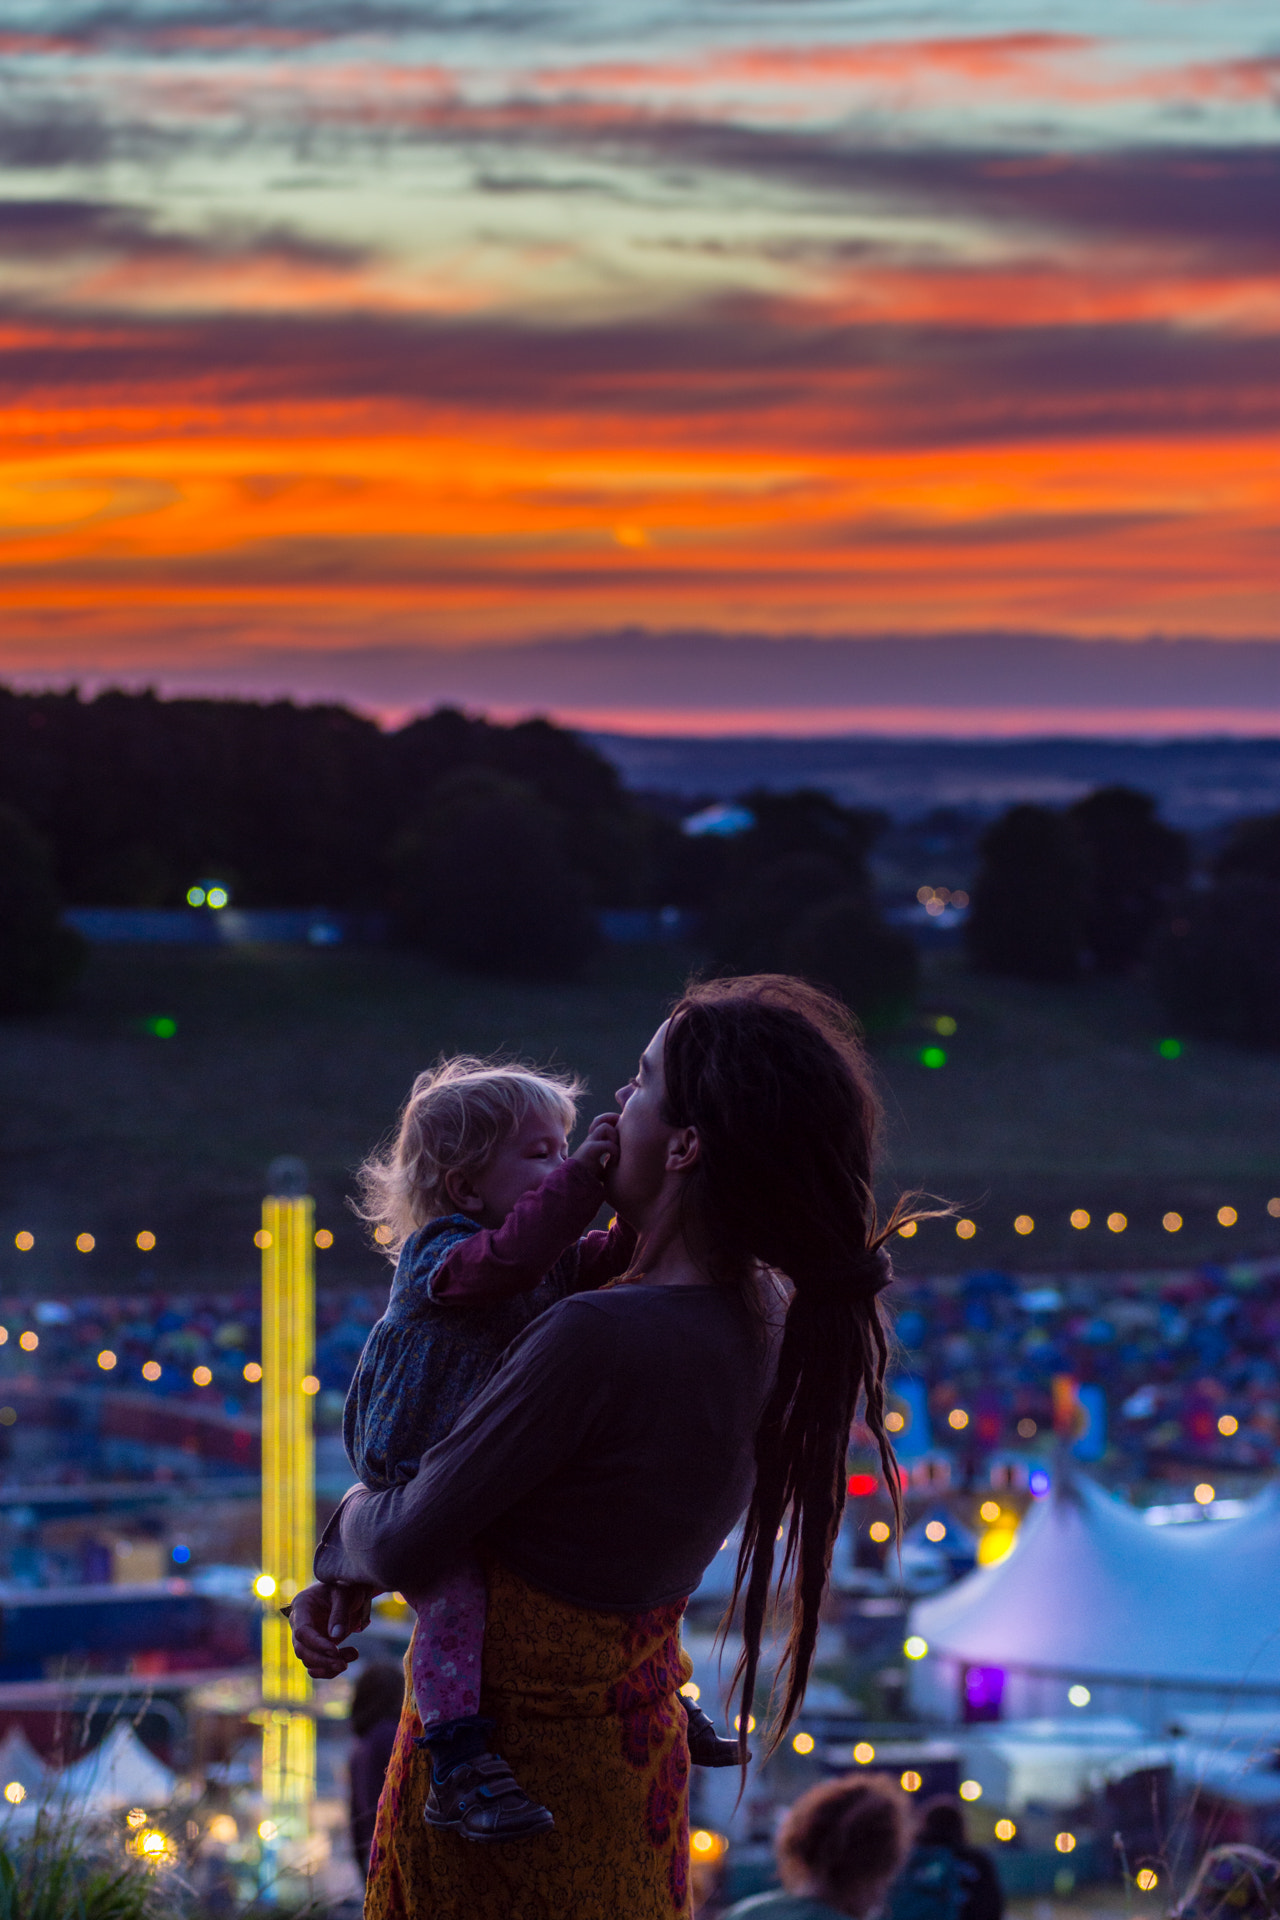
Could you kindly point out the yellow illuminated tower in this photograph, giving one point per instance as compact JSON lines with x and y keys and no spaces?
{"x":288,"y":1489}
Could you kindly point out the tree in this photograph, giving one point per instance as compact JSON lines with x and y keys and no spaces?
{"x":40,"y":959}
{"x":1135,"y":863}
{"x":1029,"y":898}
{"x":1253,"y":850}
{"x":484,"y":883}
{"x":750,"y":924}
{"x":1218,"y":966}
{"x":844,"y":943}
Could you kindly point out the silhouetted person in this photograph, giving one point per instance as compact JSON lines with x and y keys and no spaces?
{"x":376,"y":1701}
{"x":945,"y":1878}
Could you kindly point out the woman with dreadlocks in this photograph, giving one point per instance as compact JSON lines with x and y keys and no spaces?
{"x":621,"y":1439}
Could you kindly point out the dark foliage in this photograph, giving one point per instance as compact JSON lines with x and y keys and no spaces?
{"x":1253,"y":850}
{"x":844,"y":944}
{"x":808,"y":821}
{"x":40,"y":960}
{"x":751,"y":923}
{"x":1218,"y":966}
{"x":291,"y":806}
{"x":484,"y":882}
{"x":1030,"y":898}
{"x":1135,"y":863}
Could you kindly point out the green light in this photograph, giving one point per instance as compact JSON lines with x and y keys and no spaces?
{"x":162,"y":1026}
{"x":945,"y":1024}
{"x":932,"y":1057}
{"x":195,"y":896}
{"x":1169,"y":1049}
{"x":217,"y":897}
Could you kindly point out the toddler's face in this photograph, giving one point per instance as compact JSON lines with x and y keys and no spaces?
{"x":537,"y":1148}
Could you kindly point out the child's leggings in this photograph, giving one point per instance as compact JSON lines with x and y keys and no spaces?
{"x":448,"y":1645}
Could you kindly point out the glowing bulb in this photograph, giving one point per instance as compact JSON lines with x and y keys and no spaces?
{"x":202,"y":1376}
{"x":990,"y":1511}
{"x":383,"y":1236}
{"x":1079,"y":1696}
{"x":908,"y":1230}
{"x":195,"y":896}
{"x":880,"y":1531}
{"x":864,"y":1753}
{"x":1024,"y":1224}
{"x":1273,"y":1208}
{"x":1027,"y":1429}
{"x":15,"y":1793}
{"x":944,"y":1023}
{"x":152,"y":1370}
{"x":1117,"y":1222}
{"x":935,"y":1531}
{"x":1227,"y":1425}
{"x":1204,"y":1494}
{"x":1005,"y":1829}
{"x":1227,"y":1216}
{"x":310,"y":1384}
{"x":28,"y":1342}
{"x":223,"y":1829}
{"x":1172,"y":1223}
{"x":970,"y":1790}
{"x":737,"y":1723}
{"x":267,"y":1830}
{"x":1064,"y":1842}
{"x":264,"y":1586}
{"x":915,"y":1648}
{"x":911,"y":1782}
{"x":1146,"y":1880}
{"x":933,"y":1057}
{"x":706,"y":1846}
{"x":85,"y":1242}
{"x":323,"y":1237}
{"x":217,"y":897}
{"x":135,"y":1818}
{"x":106,"y":1360}
{"x":804,"y":1743}
{"x":252,"y":1372}
{"x":894,"y":1422}
{"x":146,"y":1240}
{"x":262,"y":1239}
{"x":965,"y":1229}
{"x":1079,"y":1218}
{"x":152,"y":1844}
{"x":691,"y":1690}
{"x":24,"y":1241}
{"x":958,"y":1419}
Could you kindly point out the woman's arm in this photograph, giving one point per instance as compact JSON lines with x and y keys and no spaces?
{"x":539,"y":1409}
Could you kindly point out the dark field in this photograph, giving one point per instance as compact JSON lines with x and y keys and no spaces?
{"x":1050,"y":1099}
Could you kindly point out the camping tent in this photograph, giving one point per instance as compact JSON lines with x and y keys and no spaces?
{"x":1150,"y":1620}
{"x":118,"y":1773}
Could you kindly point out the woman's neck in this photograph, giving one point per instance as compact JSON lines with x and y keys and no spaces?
{"x":669,"y":1264}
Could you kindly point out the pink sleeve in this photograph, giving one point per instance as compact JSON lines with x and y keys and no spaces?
{"x":603,"y":1256}
{"x":544,"y":1223}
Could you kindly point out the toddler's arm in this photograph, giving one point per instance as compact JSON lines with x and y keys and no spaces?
{"x":500,"y":1261}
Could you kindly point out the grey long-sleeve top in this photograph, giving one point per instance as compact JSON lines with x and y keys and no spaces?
{"x":605,"y":1461}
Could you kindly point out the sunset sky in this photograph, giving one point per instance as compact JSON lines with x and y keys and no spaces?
{"x":347,"y":346}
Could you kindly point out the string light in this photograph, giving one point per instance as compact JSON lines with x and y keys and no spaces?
{"x":894,"y":1421}
{"x":1065,"y":1842}
{"x":965,"y":1229}
{"x":324,"y":1238}
{"x":970,"y":1790}
{"x":935,"y":1531}
{"x":881,"y":1532}
{"x":252,"y":1372}
{"x":908,"y":1230}
{"x":152,"y":1370}
{"x":85,"y":1242}
{"x":958,"y":1419}
{"x":106,"y":1360}
{"x":915,"y":1648}
{"x":1146,"y":1880}
{"x":28,"y":1341}
{"x":1027,"y":1429}
{"x":911,"y":1781}
{"x":804,"y":1743}
{"x":1172,"y":1223}
{"x":1227,"y":1216}
{"x":202,"y":1376}
{"x":864,"y":1753}
{"x":1117,"y":1222}
{"x":146,"y":1240}
{"x":1024,"y":1224}
{"x":24,"y":1241}
{"x":1079,"y":1696}
{"x":1228,"y":1425}
{"x":1005,"y":1830}
{"x":1204,"y":1495}
{"x":1080,"y":1219}
{"x":990,"y":1511}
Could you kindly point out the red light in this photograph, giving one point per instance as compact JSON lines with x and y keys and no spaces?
{"x":861,"y":1484}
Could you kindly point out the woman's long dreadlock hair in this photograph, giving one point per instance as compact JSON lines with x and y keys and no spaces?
{"x":773,"y":1076}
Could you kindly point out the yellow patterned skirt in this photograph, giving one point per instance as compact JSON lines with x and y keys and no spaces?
{"x":589,"y":1721}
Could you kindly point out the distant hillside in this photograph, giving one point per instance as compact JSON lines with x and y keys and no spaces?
{"x":1198,"y":783}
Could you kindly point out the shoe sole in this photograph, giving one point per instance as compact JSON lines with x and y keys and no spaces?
{"x":523,"y":1833}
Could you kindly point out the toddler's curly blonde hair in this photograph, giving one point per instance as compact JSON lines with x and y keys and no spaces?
{"x":455,"y":1119}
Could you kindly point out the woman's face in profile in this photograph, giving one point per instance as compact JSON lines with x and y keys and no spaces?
{"x":634,"y":1180}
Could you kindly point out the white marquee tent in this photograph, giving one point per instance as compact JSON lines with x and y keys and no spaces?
{"x":1152,"y":1620}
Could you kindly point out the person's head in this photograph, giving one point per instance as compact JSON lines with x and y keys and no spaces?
{"x":750,"y":1130}
{"x":473,"y":1137}
{"x":941,"y":1823}
{"x":843,"y":1843}
{"x":378,"y":1695}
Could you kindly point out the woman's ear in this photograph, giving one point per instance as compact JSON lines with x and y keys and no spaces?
{"x":684,"y":1149}
{"x":461,"y":1192}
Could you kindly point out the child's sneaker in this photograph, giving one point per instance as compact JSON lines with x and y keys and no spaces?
{"x":707,"y":1748}
{"x":481,"y":1799}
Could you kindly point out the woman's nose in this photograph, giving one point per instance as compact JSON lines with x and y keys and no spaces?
{"x":623,"y":1094}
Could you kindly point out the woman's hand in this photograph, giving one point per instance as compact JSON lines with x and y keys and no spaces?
{"x":320,"y":1618}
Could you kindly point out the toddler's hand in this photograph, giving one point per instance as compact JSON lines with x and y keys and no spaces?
{"x":600,"y":1145}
